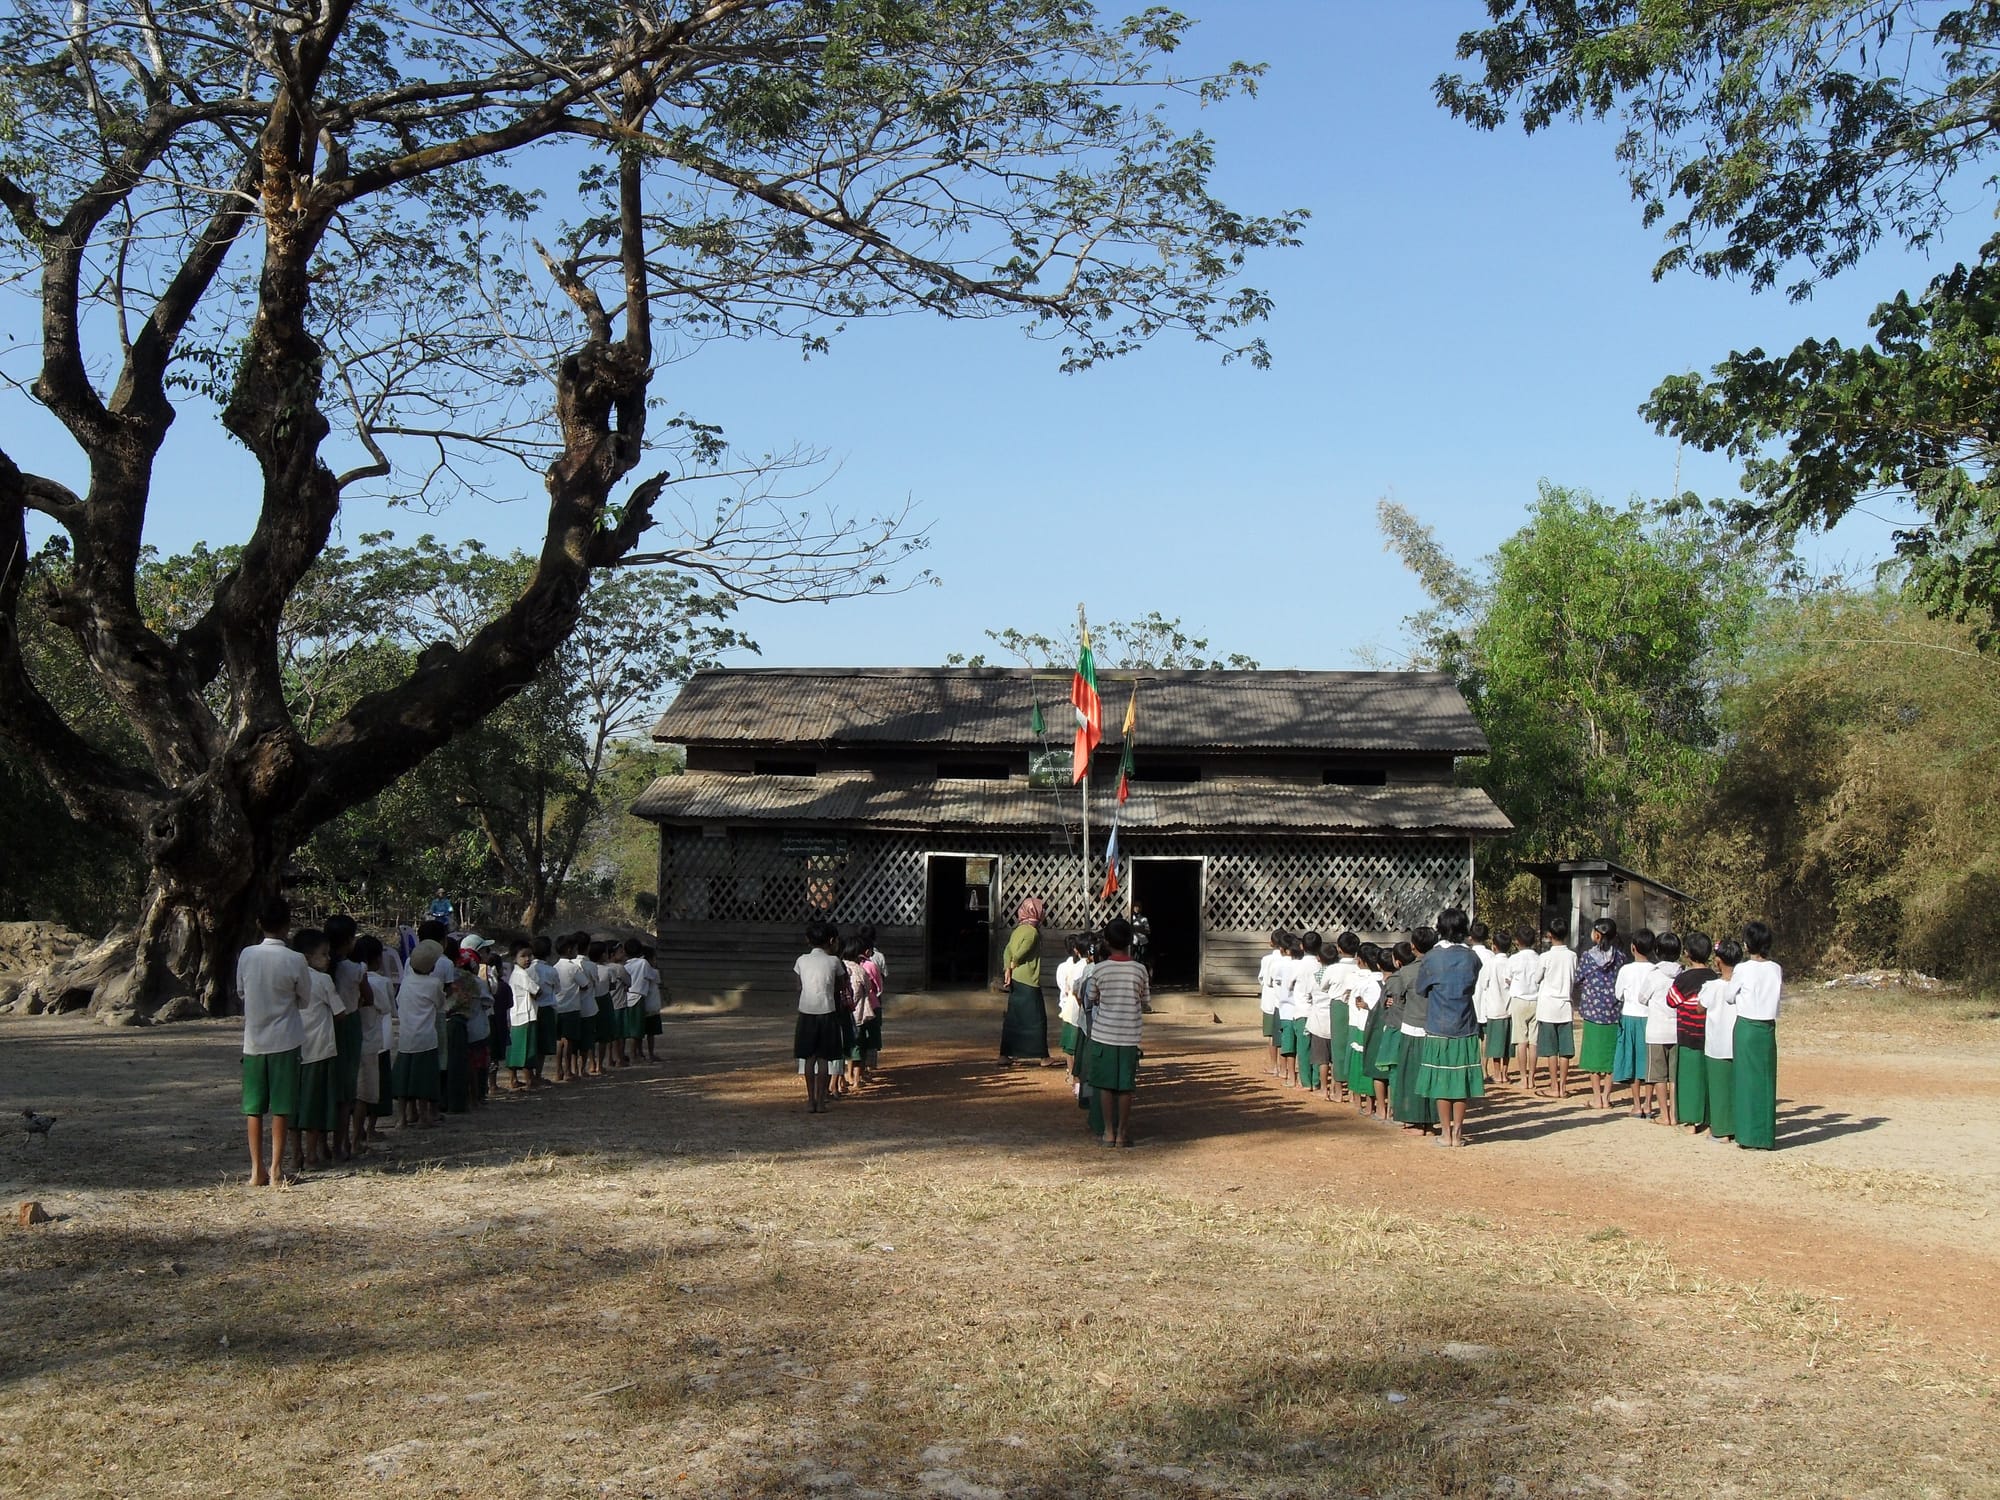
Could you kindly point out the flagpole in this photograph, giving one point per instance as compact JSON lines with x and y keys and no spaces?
{"x":1083,"y":638}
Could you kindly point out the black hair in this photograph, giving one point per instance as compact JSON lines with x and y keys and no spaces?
{"x":1452,"y":925}
{"x":521,"y":945}
{"x":1424,"y":939}
{"x":276,"y":917}
{"x":1099,"y":950}
{"x":1757,"y":939}
{"x":367,"y":949}
{"x":1370,"y":955}
{"x":308,"y":938}
{"x":1278,"y":938}
{"x":1405,"y":954}
{"x":340,"y":931}
{"x":1118,"y":933}
{"x":851,"y":950}
{"x":1606,"y":928}
{"x":542,"y":946}
{"x":431,"y":930}
{"x":1729,"y":951}
{"x":1524,"y":935}
{"x":1667,"y":946}
{"x":597,"y":950}
{"x":1697,"y":946}
{"x":1642,"y":943}
{"x":1479,"y":932}
{"x":1554,"y":926}
{"x":865,"y":934}
{"x":1348,"y":943}
{"x":1312,"y":943}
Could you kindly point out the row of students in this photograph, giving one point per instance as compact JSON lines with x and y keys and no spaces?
{"x":596,"y":1007}
{"x":843,"y":986}
{"x":339,"y":1029}
{"x":1103,"y":991}
{"x":1388,"y":1029}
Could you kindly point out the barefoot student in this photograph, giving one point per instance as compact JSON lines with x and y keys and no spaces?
{"x":1450,"y":1074}
{"x":1690,"y":1033}
{"x":1555,"y":1009}
{"x":419,"y":1002}
{"x":319,"y":1056}
{"x":816,"y":1037}
{"x":1118,"y":995}
{"x":371,"y":1082}
{"x":1760,"y":985}
{"x":524,"y":1052}
{"x":1718,"y":1038}
{"x":1271,"y":970}
{"x":274,"y":985}
{"x":1597,"y":1002}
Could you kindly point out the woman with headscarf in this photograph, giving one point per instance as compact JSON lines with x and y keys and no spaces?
{"x":1025,"y":1032}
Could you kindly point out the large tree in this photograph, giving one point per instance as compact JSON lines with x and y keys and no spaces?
{"x":1782,"y":139}
{"x":309,"y":223}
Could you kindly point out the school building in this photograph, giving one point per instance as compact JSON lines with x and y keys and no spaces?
{"x":922,"y":801}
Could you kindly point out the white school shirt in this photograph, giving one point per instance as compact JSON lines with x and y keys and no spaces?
{"x":568,"y":987}
{"x":1322,"y":985}
{"x":1489,"y":994}
{"x":1718,"y":1036}
{"x":274,"y":984}
{"x":819,"y":980}
{"x":1270,"y":970}
{"x":620,"y":983}
{"x":316,"y":1020}
{"x":522,"y":986}
{"x":418,"y":1000}
{"x":378,"y":996}
{"x":635,"y":981}
{"x":1552,"y":996}
{"x":347,"y":977}
{"x":655,"y":995}
{"x":1662,"y":1025}
{"x":1760,"y":985}
{"x":1631,"y":994}
{"x":1068,"y":1007}
{"x":586,"y":988}
{"x":1364,"y":991}
{"x":1524,"y":976}
{"x":545,"y":983}
{"x":1296,"y":1001}
{"x":1338,"y":980}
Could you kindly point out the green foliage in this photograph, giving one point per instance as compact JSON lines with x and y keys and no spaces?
{"x":1150,"y":643}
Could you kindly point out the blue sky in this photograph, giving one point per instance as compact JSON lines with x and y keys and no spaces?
{"x":1471,"y":314}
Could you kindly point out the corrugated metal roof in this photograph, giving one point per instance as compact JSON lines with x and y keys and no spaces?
{"x":861,"y":797}
{"x":990,"y":707}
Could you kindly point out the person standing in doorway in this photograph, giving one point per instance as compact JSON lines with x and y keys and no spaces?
{"x":1024,"y":1034}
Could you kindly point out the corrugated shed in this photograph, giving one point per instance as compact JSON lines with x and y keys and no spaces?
{"x":991,"y":708}
{"x":861,"y":797}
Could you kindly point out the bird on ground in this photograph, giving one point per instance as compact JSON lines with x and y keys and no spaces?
{"x":36,"y":1124}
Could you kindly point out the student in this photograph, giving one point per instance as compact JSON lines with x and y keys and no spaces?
{"x":319,"y":1055}
{"x":1524,"y":984}
{"x":1292,"y":1009}
{"x":1270,"y":988}
{"x":371,"y":1084}
{"x":585,"y":1060}
{"x":1341,"y":978}
{"x":1690,"y":1080}
{"x":1760,"y":986}
{"x":861,"y":980}
{"x":1119,"y":995}
{"x":274,"y":986}
{"x":1718,"y":1004}
{"x":1662,"y":1025}
{"x":848,"y":1012}
{"x":1088,"y":1099}
{"x":341,"y":933}
{"x":816,"y":1038}
{"x":1316,"y":982}
{"x":618,"y":1001}
{"x":1370,"y":1083}
{"x":871,"y":1044}
{"x":524,"y":1053}
{"x":1628,"y":1065}
{"x":1446,"y":979}
{"x":419,"y":1001}
{"x":1490,"y":1004}
{"x":652,"y":1001}
{"x":1407,"y":1104}
{"x":1598,"y":1005}
{"x":1555,"y":1014}
{"x":637,"y":979}
{"x":1069,"y":1009}
{"x":603,"y":1023}
{"x":1362,"y":994}
{"x":548,"y":1029}
{"x":569,"y":1009}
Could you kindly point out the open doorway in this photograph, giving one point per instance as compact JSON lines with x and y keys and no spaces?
{"x":958,"y":918}
{"x":1168,"y":893}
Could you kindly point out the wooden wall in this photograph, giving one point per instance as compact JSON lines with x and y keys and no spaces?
{"x":749,"y":964}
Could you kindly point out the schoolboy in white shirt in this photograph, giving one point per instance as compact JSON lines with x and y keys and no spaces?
{"x":1555,"y":1020}
{"x":1270,"y":988}
{"x":1760,"y":986}
{"x":1524,"y":983}
{"x":273,"y":985}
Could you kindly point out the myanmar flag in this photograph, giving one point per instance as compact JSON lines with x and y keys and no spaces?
{"x":1089,"y":710}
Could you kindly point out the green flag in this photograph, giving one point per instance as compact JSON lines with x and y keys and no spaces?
{"x":1035,"y":725}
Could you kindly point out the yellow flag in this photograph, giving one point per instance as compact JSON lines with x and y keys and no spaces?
{"x":1131,"y":711}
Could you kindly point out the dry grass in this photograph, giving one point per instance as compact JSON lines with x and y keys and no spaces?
{"x":629,"y":1294}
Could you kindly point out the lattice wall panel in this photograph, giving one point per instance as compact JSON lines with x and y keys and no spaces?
{"x":1371,"y":885}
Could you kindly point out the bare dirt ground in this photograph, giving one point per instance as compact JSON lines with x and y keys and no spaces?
{"x":675,"y":1282}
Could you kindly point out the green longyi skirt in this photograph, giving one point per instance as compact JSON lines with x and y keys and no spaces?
{"x":1600,"y":1048}
{"x":1450,"y":1069}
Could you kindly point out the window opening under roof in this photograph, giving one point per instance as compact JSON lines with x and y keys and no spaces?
{"x":784,"y":768}
{"x":1354,"y":776}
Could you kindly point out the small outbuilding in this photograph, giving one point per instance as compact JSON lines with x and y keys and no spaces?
{"x":1579,"y":891}
{"x":923,"y":801}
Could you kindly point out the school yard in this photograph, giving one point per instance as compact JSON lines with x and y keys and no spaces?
{"x":677,"y":1283}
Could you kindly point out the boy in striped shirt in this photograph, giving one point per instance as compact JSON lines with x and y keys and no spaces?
{"x":1116,"y":993}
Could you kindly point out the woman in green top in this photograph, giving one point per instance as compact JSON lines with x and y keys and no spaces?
{"x":1025,"y":1032}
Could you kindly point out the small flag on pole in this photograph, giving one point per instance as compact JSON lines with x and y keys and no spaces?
{"x":1125,"y":759}
{"x":1111,"y":866}
{"x":1089,"y":709}
{"x":1037,"y":725}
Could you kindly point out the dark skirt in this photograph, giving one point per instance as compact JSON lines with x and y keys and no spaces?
{"x":1630,"y":1061}
{"x":868,"y":1037}
{"x":545,"y":1030}
{"x":1376,"y":1070}
{"x":649,"y":1023}
{"x":632,"y":1022}
{"x":317,"y":1104}
{"x":1498,"y":1041}
{"x":385,"y":1087}
{"x":848,"y":1046}
{"x":1320,"y":1050}
{"x":347,"y":1057}
{"x":816,"y":1038}
{"x":1113,"y":1068}
{"x":1025,"y":1031}
{"x":1407,"y":1104}
{"x":1071,"y":1040}
{"x":604,"y":1025}
{"x":1719,"y":1081}
{"x":1755,"y":1084}
{"x":457,"y":1066}
{"x":1451,"y":1068}
{"x":416,"y":1075}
